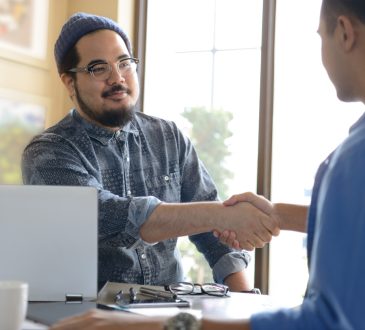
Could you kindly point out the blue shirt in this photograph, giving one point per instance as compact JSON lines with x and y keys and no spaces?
{"x":336,"y":246}
{"x":134,"y":169}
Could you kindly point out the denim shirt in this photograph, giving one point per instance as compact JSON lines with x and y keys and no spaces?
{"x":147,"y":161}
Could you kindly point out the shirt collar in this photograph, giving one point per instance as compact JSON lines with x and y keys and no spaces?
{"x":359,"y":123}
{"x":104,"y":135}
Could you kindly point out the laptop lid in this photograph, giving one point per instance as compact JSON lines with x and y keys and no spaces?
{"x":48,"y":238}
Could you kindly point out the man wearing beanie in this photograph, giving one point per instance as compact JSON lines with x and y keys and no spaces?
{"x":152,"y":187}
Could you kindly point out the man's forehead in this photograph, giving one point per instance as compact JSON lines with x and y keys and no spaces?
{"x":101,"y":36}
{"x":102,"y":43}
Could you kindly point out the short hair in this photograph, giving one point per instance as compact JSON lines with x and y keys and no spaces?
{"x":331,"y":9}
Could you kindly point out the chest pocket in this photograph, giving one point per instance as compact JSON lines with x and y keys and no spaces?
{"x":166,"y":187}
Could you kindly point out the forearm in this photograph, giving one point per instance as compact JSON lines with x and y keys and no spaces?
{"x":210,"y":324}
{"x":291,"y":216}
{"x":253,"y":227}
{"x":170,"y":220}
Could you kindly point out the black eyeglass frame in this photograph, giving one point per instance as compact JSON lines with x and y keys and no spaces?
{"x":224,"y":289}
{"x":89,"y":68}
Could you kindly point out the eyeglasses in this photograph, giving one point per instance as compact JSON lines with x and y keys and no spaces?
{"x":103,"y":71}
{"x":212,"y":289}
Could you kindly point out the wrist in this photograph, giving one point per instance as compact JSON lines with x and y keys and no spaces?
{"x":275,"y":214}
{"x":183,"y":321}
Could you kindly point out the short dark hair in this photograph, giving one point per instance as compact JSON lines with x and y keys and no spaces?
{"x":331,"y":9}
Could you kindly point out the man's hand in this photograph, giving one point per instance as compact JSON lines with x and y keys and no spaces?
{"x":230,"y":238}
{"x":103,"y":320}
{"x":253,"y":227}
{"x":246,"y":225}
{"x":258,"y":201}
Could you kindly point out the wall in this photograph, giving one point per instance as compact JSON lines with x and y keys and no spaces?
{"x":42,"y":81}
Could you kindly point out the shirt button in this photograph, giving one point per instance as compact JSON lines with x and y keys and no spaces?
{"x":143,"y":256}
{"x":166,"y":178}
{"x":129,"y":192}
{"x":127,"y":159}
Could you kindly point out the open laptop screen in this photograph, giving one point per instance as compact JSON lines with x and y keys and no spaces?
{"x":48,"y":238}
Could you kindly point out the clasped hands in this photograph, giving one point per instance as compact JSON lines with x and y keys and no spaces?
{"x":256,"y":226}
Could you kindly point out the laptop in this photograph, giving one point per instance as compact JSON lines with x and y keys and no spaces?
{"x":48,"y":238}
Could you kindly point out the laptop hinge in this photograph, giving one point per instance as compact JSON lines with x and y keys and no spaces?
{"x":72,"y":298}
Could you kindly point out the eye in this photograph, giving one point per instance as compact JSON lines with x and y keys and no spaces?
{"x":125,"y":64}
{"x":98,"y":69}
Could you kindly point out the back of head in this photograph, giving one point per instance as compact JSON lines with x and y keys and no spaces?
{"x":79,"y":25}
{"x":331,"y":9}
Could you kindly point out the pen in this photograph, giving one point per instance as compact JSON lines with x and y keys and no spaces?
{"x":157,"y":293}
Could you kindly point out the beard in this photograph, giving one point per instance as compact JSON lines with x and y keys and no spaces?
{"x":108,"y":117}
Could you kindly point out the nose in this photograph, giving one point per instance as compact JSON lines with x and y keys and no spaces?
{"x":115,"y":76}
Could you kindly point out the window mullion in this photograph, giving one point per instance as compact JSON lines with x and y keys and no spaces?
{"x":265,"y":131}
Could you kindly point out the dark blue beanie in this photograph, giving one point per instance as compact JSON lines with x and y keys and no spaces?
{"x":80,"y":24}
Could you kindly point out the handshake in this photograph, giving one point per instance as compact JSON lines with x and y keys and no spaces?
{"x":244,"y":221}
{"x":250,"y":223}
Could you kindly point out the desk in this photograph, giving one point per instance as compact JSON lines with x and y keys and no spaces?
{"x":236,"y":306}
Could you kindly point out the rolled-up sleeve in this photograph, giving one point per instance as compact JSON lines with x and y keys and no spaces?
{"x":140,"y":208}
{"x":229,"y":263}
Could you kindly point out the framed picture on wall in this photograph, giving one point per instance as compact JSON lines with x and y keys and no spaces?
{"x":23,"y":30}
{"x":21,"y":117}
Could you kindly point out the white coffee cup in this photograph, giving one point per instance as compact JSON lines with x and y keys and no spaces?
{"x":13,"y":304}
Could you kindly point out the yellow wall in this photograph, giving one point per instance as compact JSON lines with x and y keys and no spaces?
{"x":38,"y":80}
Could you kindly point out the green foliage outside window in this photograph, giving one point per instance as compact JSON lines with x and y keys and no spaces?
{"x":13,"y":139}
{"x":19,"y":122}
{"x":209,"y":132}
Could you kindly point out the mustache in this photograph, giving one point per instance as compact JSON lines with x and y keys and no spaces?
{"x":115,"y":88}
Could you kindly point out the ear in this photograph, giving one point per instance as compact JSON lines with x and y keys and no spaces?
{"x":346,"y":33}
{"x":69,"y":83}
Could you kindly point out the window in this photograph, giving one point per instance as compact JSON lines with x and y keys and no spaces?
{"x":309,"y":122}
{"x":203,"y":61}
{"x":21,"y":117}
{"x":203,"y":72}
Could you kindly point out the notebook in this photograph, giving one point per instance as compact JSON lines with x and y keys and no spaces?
{"x":48,"y":238}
